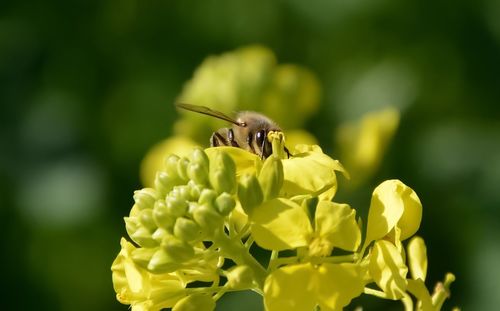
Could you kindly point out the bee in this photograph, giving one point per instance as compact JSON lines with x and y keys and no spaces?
{"x":249,"y":130}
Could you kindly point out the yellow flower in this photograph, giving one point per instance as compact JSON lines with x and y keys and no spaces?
{"x":388,"y":269}
{"x":304,"y":286}
{"x":310,"y":172}
{"x":141,"y":289}
{"x":281,"y":224}
{"x":393,"y":204}
{"x":307,"y":172}
{"x":362,"y":143}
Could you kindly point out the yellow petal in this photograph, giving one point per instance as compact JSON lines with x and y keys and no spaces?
{"x":417,"y":258}
{"x":337,"y":223}
{"x":338,"y":284}
{"x":246,"y":162}
{"x":310,"y":171}
{"x":280,"y":224}
{"x":155,"y":158}
{"x":143,"y":290}
{"x":195,"y":302}
{"x":238,"y":217}
{"x":412,"y":215}
{"x":388,"y":269}
{"x":417,"y":288}
{"x":393,"y":203}
{"x":291,"y":288}
{"x":303,"y":286}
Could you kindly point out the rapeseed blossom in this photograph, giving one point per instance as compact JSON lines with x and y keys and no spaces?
{"x":193,"y":228}
{"x":206,"y":210}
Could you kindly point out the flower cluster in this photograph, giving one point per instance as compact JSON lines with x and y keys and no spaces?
{"x":192,"y":233}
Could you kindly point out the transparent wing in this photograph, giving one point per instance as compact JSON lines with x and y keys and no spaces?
{"x":209,"y":112}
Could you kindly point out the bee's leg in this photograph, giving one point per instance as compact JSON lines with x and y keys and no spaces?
{"x":217,"y":140}
{"x":288,"y":154}
{"x":230,"y":138}
{"x":223,"y":137}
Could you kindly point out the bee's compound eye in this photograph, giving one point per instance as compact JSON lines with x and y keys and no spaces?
{"x":260,"y":136}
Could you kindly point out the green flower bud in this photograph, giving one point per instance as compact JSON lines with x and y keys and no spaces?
{"x":178,"y":250}
{"x":192,"y":207}
{"x":186,"y":229}
{"x":271,"y":177}
{"x":145,"y":198}
{"x":207,"y":218}
{"x":207,"y":196}
{"x":143,"y":237}
{"x":195,"y":302}
{"x":223,"y":173}
{"x":200,"y":157}
{"x":164,"y":182}
{"x":146,"y":219}
{"x":194,"y":190}
{"x":142,"y":256}
{"x":183,"y":193}
{"x":197,"y":173}
{"x":161,"y":216}
{"x":182,"y":166}
{"x":171,"y":166}
{"x":159,"y":235}
{"x":225,"y":203}
{"x":240,"y":277}
{"x":249,"y":193}
{"x":161,"y":262}
{"x":176,"y":207}
{"x":139,"y":233}
{"x":222,"y":182}
{"x":131,"y":224}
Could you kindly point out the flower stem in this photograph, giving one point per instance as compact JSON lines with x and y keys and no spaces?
{"x":237,"y":252}
{"x":274,"y":263}
{"x":442,"y":291}
{"x":407,"y":302}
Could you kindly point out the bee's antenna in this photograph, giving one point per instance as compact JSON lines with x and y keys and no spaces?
{"x":209,"y":112}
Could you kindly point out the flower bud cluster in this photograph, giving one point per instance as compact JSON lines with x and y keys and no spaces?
{"x":190,"y":200}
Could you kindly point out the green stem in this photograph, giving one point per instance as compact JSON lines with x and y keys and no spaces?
{"x":249,"y":242}
{"x":442,"y":291}
{"x":236,"y":251}
{"x":374,"y":292}
{"x":407,"y":302}
{"x":273,"y":263}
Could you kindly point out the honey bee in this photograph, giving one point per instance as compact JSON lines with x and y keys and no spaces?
{"x":249,"y":130}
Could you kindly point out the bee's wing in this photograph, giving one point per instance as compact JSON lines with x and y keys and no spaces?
{"x":209,"y":112}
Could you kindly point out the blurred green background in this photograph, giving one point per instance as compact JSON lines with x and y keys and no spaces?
{"x":86,"y":87}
